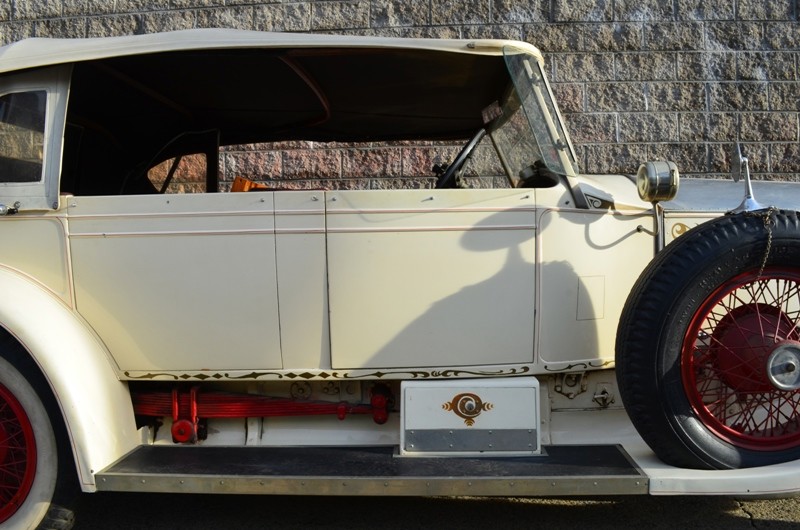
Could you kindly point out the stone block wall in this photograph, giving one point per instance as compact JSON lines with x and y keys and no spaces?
{"x":636,"y":79}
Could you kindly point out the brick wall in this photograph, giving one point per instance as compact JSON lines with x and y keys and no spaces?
{"x":636,"y":79}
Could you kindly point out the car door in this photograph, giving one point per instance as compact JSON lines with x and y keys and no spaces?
{"x":178,"y":283}
{"x":423,"y":278}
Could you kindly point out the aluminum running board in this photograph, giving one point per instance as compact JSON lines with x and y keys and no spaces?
{"x":564,"y":470}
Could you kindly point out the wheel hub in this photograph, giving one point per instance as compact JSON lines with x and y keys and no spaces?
{"x":743,"y":341}
{"x":783,"y":366}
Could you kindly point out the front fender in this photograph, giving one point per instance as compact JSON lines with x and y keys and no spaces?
{"x":95,"y":404}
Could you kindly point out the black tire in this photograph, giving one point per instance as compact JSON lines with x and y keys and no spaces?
{"x":694,"y":338}
{"x":38,"y":481}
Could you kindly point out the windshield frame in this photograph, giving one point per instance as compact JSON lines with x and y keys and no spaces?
{"x":534,"y":96}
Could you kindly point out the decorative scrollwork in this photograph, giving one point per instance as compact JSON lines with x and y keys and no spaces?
{"x":584,"y":365}
{"x":678,"y":229}
{"x":323,"y":375}
{"x":467,"y":406}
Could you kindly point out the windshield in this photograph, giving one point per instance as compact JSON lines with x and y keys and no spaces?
{"x":528,"y":130}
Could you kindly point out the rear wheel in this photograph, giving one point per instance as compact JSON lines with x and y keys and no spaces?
{"x":708,"y":348}
{"x":29,"y":459}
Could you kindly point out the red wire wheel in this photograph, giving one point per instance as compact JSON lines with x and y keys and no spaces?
{"x":17,"y":454}
{"x":724,"y":360}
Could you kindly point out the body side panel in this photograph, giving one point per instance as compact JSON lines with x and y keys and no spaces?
{"x":582,"y":286}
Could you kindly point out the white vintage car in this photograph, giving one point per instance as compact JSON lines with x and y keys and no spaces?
{"x":560,"y":334}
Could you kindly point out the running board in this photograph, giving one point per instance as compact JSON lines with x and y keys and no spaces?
{"x":561,"y":470}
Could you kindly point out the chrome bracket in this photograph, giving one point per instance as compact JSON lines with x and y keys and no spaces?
{"x":571,"y":384}
{"x":9,"y":210}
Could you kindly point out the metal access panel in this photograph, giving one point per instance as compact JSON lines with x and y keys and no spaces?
{"x":470,"y":417}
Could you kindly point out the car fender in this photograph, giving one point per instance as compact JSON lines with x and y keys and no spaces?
{"x":94,"y":403}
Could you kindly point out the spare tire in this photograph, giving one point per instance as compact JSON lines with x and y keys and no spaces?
{"x":697,"y":334}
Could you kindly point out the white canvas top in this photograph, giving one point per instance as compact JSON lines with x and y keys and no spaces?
{"x":32,"y":53}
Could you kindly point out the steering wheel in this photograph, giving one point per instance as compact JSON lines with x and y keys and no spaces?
{"x":462,"y":157}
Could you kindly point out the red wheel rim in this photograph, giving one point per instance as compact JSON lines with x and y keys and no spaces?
{"x":17,"y":454}
{"x":724,"y":360}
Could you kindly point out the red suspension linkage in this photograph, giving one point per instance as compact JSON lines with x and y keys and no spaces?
{"x":184,"y":430}
{"x":380,"y":401}
{"x":186,"y":408}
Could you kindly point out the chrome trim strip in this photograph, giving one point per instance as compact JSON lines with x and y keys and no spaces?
{"x":462,"y":228}
{"x":488,"y":209}
{"x":280,"y":231}
{"x":165,"y":215}
{"x":106,"y":235}
{"x":423,"y":486}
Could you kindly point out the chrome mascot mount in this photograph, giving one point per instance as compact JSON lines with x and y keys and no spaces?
{"x":739,"y":167}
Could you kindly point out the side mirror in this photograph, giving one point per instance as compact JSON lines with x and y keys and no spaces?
{"x":657,"y":181}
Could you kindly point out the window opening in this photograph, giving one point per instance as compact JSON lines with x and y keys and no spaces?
{"x":22,"y":123}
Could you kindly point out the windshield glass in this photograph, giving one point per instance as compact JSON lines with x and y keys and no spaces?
{"x":512,"y":137}
{"x":543,"y":135}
